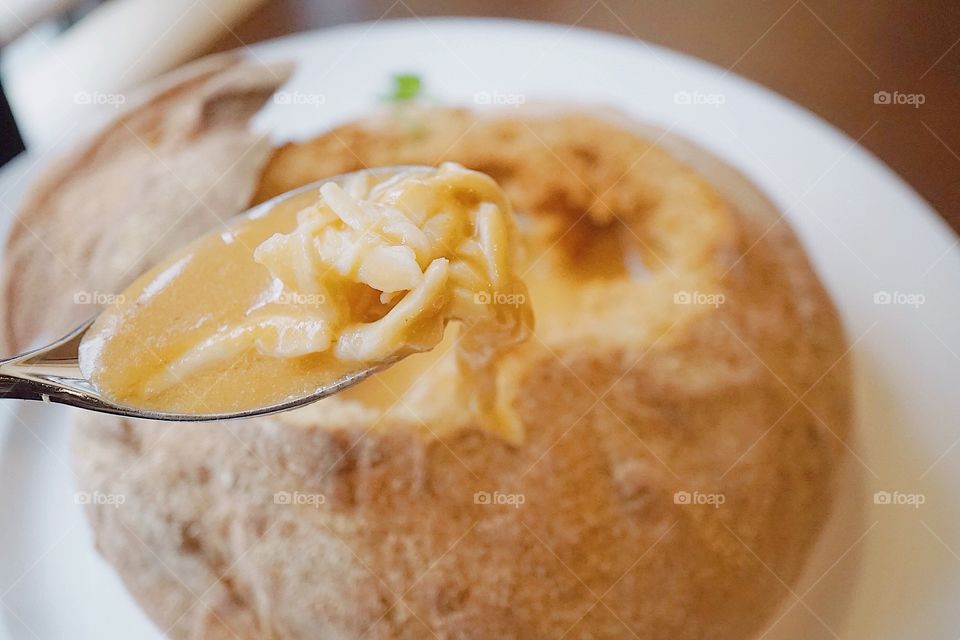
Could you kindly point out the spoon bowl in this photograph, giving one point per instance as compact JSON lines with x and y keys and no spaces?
{"x":52,"y":373}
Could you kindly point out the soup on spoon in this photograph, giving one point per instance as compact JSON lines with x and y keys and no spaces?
{"x":357,"y":273}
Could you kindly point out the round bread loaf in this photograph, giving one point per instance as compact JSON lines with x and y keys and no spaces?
{"x":683,"y":423}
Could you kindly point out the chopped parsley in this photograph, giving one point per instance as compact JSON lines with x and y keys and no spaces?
{"x":406,"y":86}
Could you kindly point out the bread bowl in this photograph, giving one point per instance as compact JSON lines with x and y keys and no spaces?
{"x":684,"y":413}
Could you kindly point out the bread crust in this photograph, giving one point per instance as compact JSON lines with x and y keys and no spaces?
{"x":627,"y":400}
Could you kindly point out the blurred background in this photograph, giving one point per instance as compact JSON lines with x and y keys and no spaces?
{"x":886,"y":72}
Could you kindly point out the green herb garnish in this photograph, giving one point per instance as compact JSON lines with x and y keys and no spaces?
{"x":406,"y":86}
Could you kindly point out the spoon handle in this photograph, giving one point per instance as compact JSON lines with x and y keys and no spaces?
{"x":50,"y":383}
{"x":50,"y":374}
{"x":21,"y":388}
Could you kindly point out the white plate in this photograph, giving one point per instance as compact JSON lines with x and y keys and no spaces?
{"x":881,"y":571}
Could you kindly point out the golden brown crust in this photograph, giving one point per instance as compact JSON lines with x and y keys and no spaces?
{"x":626,"y":400}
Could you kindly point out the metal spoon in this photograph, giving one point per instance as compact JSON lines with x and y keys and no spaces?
{"x":52,"y":373}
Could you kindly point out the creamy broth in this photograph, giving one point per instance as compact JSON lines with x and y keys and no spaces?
{"x":327,"y":282}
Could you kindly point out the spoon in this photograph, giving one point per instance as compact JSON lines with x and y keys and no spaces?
{"x":52,"y":373}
